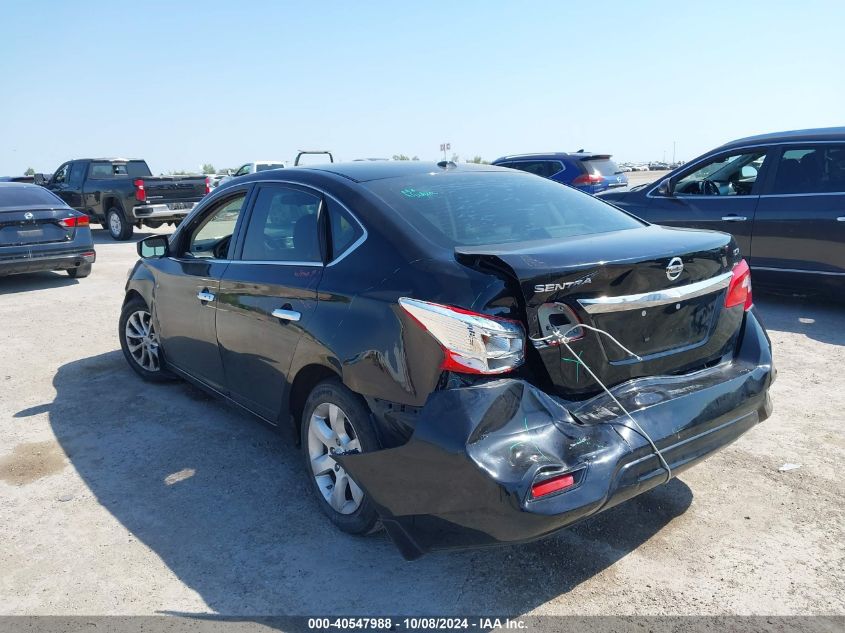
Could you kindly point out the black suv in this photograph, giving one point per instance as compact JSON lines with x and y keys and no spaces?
{"x":782,"y":197}
{"x":468,"y":354}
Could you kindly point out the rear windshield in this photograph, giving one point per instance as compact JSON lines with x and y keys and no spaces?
{"x":496,"y":207}
{"x":27,"y":197}
{"x":603,"y":167}
{"x":133,"y":169}
{"x":266,"y":166}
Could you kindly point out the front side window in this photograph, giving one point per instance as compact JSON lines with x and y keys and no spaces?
{"x":819,"y":169}
{"x":733,"y":175}
{"x":283,"y":227}
{"x":243,"y":171}
{"x":211,"y":239}
{"x":496,"y":207}
{"x":61,"y":175}
{"x":77,"y":174}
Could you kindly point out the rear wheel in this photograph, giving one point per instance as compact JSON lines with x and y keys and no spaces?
{"x":80,"y":271}
{"x":335,"y":420}
{"x":118,"y":227}
{"x":139,"y":342}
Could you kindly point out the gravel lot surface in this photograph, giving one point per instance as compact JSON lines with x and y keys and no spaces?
{"x":118,"y":497}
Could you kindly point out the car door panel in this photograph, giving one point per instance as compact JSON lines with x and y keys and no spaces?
{"x":730,"y":214}
{"x":268,"y":295}
{"x":800,"y":224}
{"x":257,"y":347}
{"x":187,"y":324}
{"x":186,"y":293}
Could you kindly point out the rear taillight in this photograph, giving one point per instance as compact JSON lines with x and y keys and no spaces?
{"x":552,"y":485}
{"x":472,"y":343}
{"x":739,"y":290}
{"x":587,"y":179}
{"x":140,"y":192}
{"x":207,"y":185}
{"x":77,"y":220}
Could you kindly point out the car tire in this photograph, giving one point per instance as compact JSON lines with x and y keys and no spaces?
{"x":80,"y":271}
{"x":117,"y":225}
{"x":333,"y":405}
{"x":136,"y":328}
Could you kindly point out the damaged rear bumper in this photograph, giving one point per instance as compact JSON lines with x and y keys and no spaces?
{"x":464,"y":478}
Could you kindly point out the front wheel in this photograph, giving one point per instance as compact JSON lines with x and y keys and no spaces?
{"x":119,"y":228}
{"x":139,"y":342}
{"x":335,"y":420}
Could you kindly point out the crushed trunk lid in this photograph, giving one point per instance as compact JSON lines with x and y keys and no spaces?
{"x":659,"y":291}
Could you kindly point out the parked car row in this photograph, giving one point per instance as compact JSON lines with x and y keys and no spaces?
{"x":554,"y":354}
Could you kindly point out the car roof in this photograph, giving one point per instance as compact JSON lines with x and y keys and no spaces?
{"x":114,"y":160}
{"x":363,"y":171}
{"x":555,"y":155}
{"x":19,"y":185}
{"x":813,"y":134}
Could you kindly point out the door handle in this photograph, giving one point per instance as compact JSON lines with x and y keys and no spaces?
{"x":734,"y":218}
{"x":841,"y":218}
{"x":205,"y":296}
{"x":286,"y":315}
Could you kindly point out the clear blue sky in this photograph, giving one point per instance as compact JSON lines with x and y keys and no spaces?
{"x":183,"y":83}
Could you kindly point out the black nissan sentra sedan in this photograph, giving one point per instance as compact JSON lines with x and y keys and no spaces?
{"x":39,"y":232}
{"x":469,"y":355}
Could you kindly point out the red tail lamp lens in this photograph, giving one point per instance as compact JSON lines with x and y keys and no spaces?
{"x":140,"y":192}
{"x":69,"y":223}
{"x":739,"y":290}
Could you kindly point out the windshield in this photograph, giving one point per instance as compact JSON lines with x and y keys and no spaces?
{"x":266,"y":166}
{"x":28,"y":197}
{"x":496,"y":207}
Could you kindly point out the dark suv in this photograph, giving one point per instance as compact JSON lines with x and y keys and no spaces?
{"x":586,"y":171}
{"x":782,"y":197}
{"x":469,"y":355}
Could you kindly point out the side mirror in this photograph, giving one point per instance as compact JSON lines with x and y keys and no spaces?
{"x":666,"y":187}
{"x":748,"y":172}
{"x":154,"y":246}
{"x":40,"y":179}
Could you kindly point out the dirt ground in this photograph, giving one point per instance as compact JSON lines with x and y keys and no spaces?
{"x":118,"y":497}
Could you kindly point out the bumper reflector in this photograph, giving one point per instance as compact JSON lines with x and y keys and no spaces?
{"x":552,"y":484}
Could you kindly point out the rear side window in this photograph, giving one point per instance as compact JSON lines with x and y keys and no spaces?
{"x":496,"y":207}
{"x":28,"y":196}
{"x":544,"y":168}
{"x":345,"y":231}
{"x":819,"y":169}
{"x":283,"y":227}
{"x":107,"y":169}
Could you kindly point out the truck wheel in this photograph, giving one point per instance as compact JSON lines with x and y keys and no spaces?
{"x":119,"y":228}
{"x":80,"y":271}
